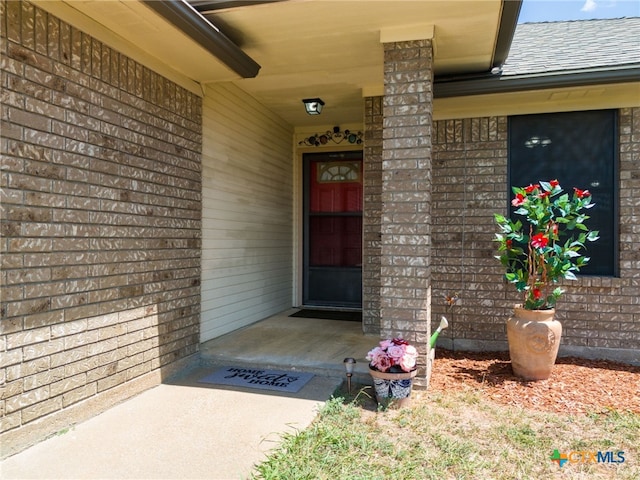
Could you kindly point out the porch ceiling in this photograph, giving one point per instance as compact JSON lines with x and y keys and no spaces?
{"x":332,"y":49}
{"x":329,"y":49}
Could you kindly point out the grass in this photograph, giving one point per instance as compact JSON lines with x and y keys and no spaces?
{"x":457,"y":435}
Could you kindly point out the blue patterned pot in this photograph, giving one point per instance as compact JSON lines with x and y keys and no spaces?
{"x":393,"y":389}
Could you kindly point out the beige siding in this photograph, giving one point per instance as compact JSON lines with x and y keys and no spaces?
{"x":247,"y":212}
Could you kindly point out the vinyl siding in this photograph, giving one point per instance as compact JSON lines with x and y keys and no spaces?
{"x":247,"y":212}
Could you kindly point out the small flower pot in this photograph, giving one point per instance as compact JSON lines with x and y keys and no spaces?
{"x":393,"y":390}
{"x":534,"y":340}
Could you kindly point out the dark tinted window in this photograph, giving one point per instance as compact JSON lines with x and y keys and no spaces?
{"x":578,"y":149}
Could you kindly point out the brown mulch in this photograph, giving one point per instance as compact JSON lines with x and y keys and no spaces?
{"x":576,"y":385}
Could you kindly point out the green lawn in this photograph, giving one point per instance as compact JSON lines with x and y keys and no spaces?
{"x":460,"y":435}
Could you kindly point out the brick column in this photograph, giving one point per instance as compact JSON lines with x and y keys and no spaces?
{"x":372,"y":216}
{"x":405,"y":293}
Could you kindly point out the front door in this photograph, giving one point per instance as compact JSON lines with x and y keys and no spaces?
{"x":333,"y":229}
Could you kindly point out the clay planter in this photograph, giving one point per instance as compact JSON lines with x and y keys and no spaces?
{"x":534,"y":339}
{"x":393,"y":389}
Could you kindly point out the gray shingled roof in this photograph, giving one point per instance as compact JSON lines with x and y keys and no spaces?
{"x":574,"y":45}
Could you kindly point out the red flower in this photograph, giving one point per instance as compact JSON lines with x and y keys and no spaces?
{"x":537,"y":293}
{"x":554,"y":228}
{"x":581,"y":193}
{"x":554,"y":183}
{"x":544,"y":194}
{"x":509,"y":243}
{"x":519,"y":200}
{"x":539,"y":241}
{"x":531,"y":188}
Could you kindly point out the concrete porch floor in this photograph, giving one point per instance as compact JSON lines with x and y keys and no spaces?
{"x":291,"y":343}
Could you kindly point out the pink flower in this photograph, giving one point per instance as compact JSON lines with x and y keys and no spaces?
{"x":396,"y":352}
{"x":411,"y":351}
{"x":374,"y":354}
{"x":407,"y":363}
{"x":384,"y":364}
{"x":393,"y":355}
{"x":409,"y":359}
{"x":378,"y":359}
{"x":519,"y":200}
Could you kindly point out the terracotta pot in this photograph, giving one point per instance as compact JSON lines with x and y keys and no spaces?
{"x":393,"y":389}
{"x":534,"y":339}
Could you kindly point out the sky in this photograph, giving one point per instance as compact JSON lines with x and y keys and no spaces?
{"x":556,"y":10}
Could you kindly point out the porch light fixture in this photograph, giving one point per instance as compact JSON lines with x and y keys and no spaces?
{"x":349,"y":363}
{"x":313,"y":106}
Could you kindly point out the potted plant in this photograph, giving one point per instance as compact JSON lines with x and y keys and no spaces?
{"x":547,"y":247}
{"x":392,"y":365}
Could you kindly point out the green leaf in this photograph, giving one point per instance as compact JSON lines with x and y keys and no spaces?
{"x":546,"y":186}
{"x":521,"y":286}
{"x":593,"y":236}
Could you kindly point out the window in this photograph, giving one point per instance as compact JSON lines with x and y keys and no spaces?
{"x":579,"y":149}
{"x":333,"y":172}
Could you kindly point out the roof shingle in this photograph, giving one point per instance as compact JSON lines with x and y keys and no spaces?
{"x":574,"y":45}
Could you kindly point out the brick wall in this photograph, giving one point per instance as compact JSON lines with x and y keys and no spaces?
{"x":372,"y":216}
{"x":101,"y":202}
{"x":600,"y":316}
{"x":405,"y":273}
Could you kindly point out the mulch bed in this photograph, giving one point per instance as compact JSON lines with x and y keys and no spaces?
{"x":576,"y":385}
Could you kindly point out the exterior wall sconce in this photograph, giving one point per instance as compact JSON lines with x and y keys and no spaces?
{"x":313,"y":106}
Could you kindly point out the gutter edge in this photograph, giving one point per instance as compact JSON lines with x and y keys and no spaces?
{"x":519,"y":83}
{"x":197,"y":27}
{"x":506,"y":31}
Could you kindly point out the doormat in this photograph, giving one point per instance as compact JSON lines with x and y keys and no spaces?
{"x":280,"y":380}
{"x":350,"y":316}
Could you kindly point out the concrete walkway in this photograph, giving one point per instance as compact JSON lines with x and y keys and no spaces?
{"x":180,"y":430}
{"x":183,"y":429}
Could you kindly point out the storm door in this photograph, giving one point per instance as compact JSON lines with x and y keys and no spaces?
{"x":333,"y":229}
